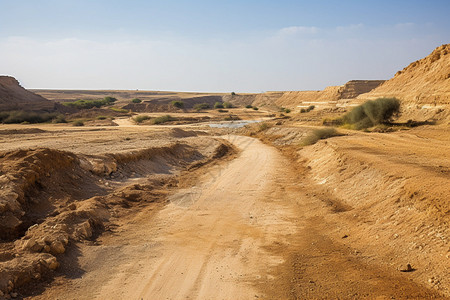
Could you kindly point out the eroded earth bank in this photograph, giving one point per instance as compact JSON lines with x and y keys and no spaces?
{"x":169,"y":213}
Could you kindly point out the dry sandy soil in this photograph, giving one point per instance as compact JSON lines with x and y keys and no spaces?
{"x":246,"y":222}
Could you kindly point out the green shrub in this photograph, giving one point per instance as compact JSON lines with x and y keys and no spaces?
{"x":233,"y":94}
{"x":319,"y":134}
{"x":305,"y":110}
{"x":136,"y":100}
{"x":255,"y":108}
{"x":78,"y":123}
{"x":109,"y":99}
{"x":200,"y":106}
{"x":287,"y":110}
{"x":163,"y":119}
{"x":178,"y":104}
{"x":227,"y":105}
{"x":248,"y":106}
{"x":218,"y":105}
{"x":371,"y":113}
{"x":141,"y":118}
{"x":222,"y":110}
{"x":101,"y":118}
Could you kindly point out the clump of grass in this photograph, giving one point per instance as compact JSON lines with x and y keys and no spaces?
{"x":87,"y":104}
{"x":255,"y":108}
{"x":222,"y":110}
{"x":136,"y":100}
{"x":141,"y":118}
{"x":117,"y":109}
{"x":264,"y":126}
{"x":227,"y":105}
{"x":248,"y":106}
{"x":200,"y":106}
{"x":371,"y":113}
{"x":308,"y":109}
{"x":218,"y":105}
{"x":319,"y":134}
{"x":163,"y":119}
{"x":102,"y":118}
{"x":178,"y":104}
{"x":78,"y":123}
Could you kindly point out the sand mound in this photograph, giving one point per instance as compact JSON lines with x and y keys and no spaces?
{"x":423,"y":82}
{"x":52,"y":199}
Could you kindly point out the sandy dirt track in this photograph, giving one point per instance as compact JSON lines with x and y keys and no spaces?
{"x":244,"y":231}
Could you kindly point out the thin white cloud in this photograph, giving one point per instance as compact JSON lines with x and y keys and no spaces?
{"x":294,"y":30}
{"x":404,"y":26}
{"x":349,"y":28}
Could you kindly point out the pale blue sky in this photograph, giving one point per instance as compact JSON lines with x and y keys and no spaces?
{"x":241,"y":46}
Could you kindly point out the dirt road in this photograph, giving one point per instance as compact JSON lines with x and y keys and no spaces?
{"x":246,"y":230}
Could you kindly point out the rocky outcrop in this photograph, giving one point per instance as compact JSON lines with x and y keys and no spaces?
{"x":354,"y":88}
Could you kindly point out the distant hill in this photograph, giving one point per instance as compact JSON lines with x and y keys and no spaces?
{"x":14,"y":97}
{"x":423,"y":82}
{"x":350,"y":90}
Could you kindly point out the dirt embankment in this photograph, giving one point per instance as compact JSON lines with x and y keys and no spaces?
{"x":53,"y":199}
{"x":15,"y":97}
{"x":423,"y":82}
{"x":390,"y":192}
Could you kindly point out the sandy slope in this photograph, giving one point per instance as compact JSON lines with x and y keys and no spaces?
{"x":246,"y":230}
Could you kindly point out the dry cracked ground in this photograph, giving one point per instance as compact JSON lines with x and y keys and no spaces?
{"x":143,"y":212}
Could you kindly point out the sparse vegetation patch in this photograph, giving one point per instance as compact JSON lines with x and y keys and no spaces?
{"x":319,"y":134}
{"x":163,"y":119}
{"x":87,"y":104}
{"x":17,"y":117}
{"x":308,"y":109}
{"x":141,"y":118}
{"x":218,"y":105}
{"x":178,"y":104}
{"x":371,"y":113}
{"x":200,"y":106}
